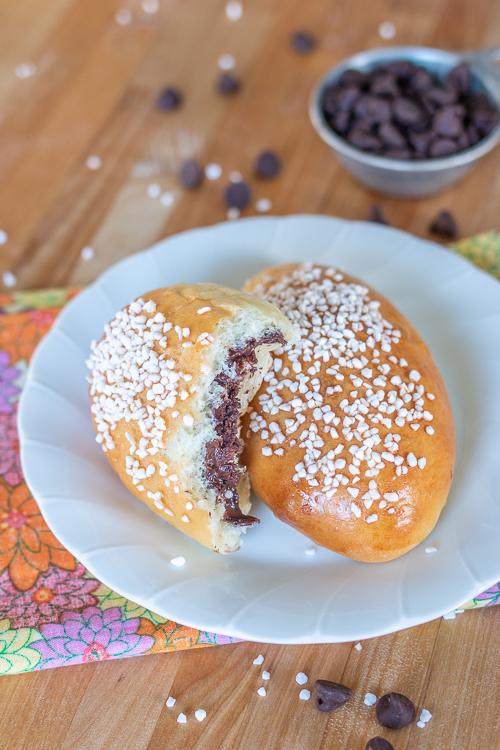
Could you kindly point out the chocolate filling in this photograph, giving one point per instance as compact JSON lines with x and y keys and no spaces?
{"x":222,"y":469}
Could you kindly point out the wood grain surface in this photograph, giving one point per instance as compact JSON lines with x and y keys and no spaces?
{"x":93,"y":93}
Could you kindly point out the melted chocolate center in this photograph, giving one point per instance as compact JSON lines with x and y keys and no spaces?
{"x":222,"y":468}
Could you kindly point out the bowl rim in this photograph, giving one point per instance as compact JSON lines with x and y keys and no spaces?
{"x":420,"y":55}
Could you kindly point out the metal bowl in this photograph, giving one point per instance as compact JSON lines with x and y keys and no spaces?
{"x":411,"y":179}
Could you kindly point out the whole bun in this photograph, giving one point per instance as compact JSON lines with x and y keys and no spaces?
{"x":350,"y":438}
{"x":170,"y":379}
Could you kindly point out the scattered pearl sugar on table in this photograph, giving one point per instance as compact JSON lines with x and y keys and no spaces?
{"x":167,"y":199}
{"x":178,"y":561}
{"x":213,"y":171}
{"x":431,"y":550}
{"x":9,"y":279}
{"x":258,"y":660}
{"x":25,"y":70}
{"x":301,"y":678}
{"x":304,"y":695}
{"x":123,"y":17}
{"x":425,"y":717}
{"x":226,"y":62}
{"x":263,"y":205}
{"x":234,"y":10}
{"x":87,"y":252}
{"x":94,"y":162}
{"x":150,"y":6}
{"x":310,"y":551}
{"x":154,"y":190}
{"x":387,"y":30}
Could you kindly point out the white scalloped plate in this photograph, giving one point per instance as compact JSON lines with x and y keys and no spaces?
{"x":270,"y":590}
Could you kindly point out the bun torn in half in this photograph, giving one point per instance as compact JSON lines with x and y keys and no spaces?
{"x":170,"y":379}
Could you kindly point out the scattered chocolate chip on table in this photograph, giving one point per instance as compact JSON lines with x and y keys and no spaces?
{"x":169,"y":99}
{"x":303,"y":42}
{"x":237,"y":195}
{"x":267,"y":165}
{"x":444,"y":225}
{"x":378,"y":743}
{"x":228,"y":84}
{"x":395,"y":711}
{"x":190,"y":174}
{"x":331,"y":695}
{"x":376,"y":215}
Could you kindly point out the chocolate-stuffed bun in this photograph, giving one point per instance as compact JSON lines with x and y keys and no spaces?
{"x":170,"y":379}
{"x":350,"y":438}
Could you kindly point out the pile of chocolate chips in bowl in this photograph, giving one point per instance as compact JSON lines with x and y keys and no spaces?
{"x":404,"y":111}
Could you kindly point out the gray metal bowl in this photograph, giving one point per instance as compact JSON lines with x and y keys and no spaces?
{"x":410,"y":179}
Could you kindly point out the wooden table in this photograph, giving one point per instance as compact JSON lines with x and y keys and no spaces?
{"x":93,"y":94}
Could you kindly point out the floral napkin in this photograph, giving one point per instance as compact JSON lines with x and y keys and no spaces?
{"x":52,"y":610}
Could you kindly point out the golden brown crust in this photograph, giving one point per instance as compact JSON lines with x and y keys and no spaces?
{"x":330,"y":521}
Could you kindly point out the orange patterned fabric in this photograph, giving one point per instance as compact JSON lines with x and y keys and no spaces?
{"x":52,"y":610}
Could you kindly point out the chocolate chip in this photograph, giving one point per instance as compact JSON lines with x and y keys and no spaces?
{"x":428,"y":105}
{"x":473,"y":135}
{"x":352,"y":77}
{"x":391,"y":136}
{"x":449,"y":121}
{"x":462,"y":140}
{"x":441,"y":147}
{"x":267,"y":165}
{"x":421,"y":141}
{"x":395,"y":711}
{"x":227,"y":84}
{"x":444,"y":225}
{"x":331,"y":695}
{"x":401,"y":68}
{"x":237,"y":195}
{"x":403,"y":111}
{"x":169,"y":99}
{"x":190,"y":174}
{"x":442,"y":95}
{"x":422,"y":80}
{"x":341,"y":122}
{"x":478,"y":102}
{"x":372,"y":109}
{"x":407,"y":112}
{"x":347,"y":97}
{"x":460,"y":78}
{"x":378,"y":743}
{"x":385,"y":84}
{"x":363,"y":140}
{"x":485,"y":120}
{"x":376,"y":215}
{"x":303,"y":42}
{"x":330,"y":103}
